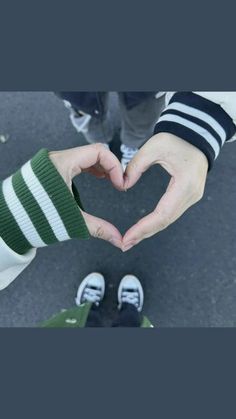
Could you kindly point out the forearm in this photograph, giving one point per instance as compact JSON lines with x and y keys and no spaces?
{"x":37,"y":208}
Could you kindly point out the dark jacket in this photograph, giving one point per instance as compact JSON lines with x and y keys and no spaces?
{"x":94,"y":103}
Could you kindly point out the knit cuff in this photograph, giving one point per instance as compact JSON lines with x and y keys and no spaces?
{"x":37,"y":207}
{"x":199,"y":121}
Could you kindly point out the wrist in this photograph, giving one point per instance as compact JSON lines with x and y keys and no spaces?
{"x":198,"y":121}
{"x":173,"y":150}
{"x":37,"y":208}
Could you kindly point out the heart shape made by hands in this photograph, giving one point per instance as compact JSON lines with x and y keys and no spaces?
{"x":185,"y":163}
{"x":103,"y":164}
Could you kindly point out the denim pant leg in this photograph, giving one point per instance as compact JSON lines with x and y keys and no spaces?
{"x":137,"y":124}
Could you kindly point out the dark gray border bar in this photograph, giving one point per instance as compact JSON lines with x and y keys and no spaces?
{"x":166,"y":373}
{"x":114,"y":46}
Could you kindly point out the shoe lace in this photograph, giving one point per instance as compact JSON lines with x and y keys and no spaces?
{"x":128,"y":152}
{"x":92,"y":295}
{"x":131,"y":297}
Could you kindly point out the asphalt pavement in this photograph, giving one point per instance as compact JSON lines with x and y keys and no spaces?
{"x":188,"y":271}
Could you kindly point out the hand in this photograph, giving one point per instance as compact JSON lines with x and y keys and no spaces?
{"x":102,"y":163}
{"x":187,"y":166}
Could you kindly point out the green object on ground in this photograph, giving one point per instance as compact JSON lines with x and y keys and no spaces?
{"x":76,"y":317}
{"x":73,"y":317}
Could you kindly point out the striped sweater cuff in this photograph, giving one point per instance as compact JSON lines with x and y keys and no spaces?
{"x":199,"y":121}
{"x":37,"y":208}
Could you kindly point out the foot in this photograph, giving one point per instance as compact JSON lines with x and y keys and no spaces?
{"x":91,"y":289}
{"x":127,"y":154}
{"x":131,"y":291}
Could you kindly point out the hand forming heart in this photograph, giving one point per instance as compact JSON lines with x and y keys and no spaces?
{"x":185,"y":163}
{"x":102,"y":163}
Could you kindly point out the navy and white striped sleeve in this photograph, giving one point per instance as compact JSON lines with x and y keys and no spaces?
{"x":199,"y":121}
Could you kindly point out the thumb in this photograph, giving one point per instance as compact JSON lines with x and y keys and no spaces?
{"x":136,"y":167}
{"x":102,"y":229}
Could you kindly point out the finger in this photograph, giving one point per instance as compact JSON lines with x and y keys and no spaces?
{"x":137,"y":166}
{"x":98,"y":173}
{"x":171,"y":206}
{"x":102,"y":229}
{"x":96,"y":154}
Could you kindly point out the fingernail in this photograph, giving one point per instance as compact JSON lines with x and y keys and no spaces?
{"x":128,"y":246}
{"x":116,"y":243}
{"x":126,"y":181}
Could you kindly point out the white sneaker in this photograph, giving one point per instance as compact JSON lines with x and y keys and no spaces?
{"x":127,"y":154}
{"x":91,"y":289}
{"x":130,"y":291}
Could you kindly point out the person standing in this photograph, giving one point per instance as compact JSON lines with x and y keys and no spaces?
{"x":91,"y":115}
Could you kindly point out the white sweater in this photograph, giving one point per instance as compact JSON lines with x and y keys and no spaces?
{"x":227,"y":100}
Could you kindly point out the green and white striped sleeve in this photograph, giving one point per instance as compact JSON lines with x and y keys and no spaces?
{"x":37,"y":207}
